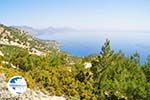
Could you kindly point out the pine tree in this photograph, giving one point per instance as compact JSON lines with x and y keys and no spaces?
{"x":146,"y":69}
{"x":102,"y":66}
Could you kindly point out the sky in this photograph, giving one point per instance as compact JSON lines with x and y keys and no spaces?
{"x":81,"y":14}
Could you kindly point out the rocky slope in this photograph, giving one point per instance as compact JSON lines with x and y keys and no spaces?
{"x":14,"y":37}
{"x":12,"y":40}
{"x":28,"y":95}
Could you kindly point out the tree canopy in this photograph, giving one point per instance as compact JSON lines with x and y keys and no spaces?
{"x":113,"y":76}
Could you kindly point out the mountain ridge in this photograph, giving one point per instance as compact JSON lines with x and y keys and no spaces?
{"x":48,"y":30}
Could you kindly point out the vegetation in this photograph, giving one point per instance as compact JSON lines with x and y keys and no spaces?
{"x":113,"y":76}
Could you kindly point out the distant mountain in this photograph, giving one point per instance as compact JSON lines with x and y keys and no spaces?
{"x":49,"y":30}
{"x":28,"y":29}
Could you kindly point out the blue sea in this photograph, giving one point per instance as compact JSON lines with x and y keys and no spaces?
{"x":83,"y":43}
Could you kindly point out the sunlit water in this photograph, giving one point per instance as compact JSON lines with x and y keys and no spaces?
{"x":83,"y":43}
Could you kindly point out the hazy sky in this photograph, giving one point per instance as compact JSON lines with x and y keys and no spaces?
{"x":86,"y":14}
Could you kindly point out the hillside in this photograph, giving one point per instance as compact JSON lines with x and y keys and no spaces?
{"x":22,"y":54}
{"x":10,"y":36}
{"x":108,"y":75}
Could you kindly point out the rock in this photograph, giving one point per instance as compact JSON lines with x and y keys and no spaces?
{"x":1,"y":54}
{"x":57,"y":98}
{"x":87,"y":65}
{"x":1,"y":30}
{"x":37,"y":52}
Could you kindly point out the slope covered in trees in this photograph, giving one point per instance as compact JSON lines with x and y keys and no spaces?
{"x":113,"y":76}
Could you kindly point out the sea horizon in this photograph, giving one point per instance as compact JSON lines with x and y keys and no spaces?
{"x":84,"y":43}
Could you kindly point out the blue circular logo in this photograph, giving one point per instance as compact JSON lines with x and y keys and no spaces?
{"x":17,"y":85}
